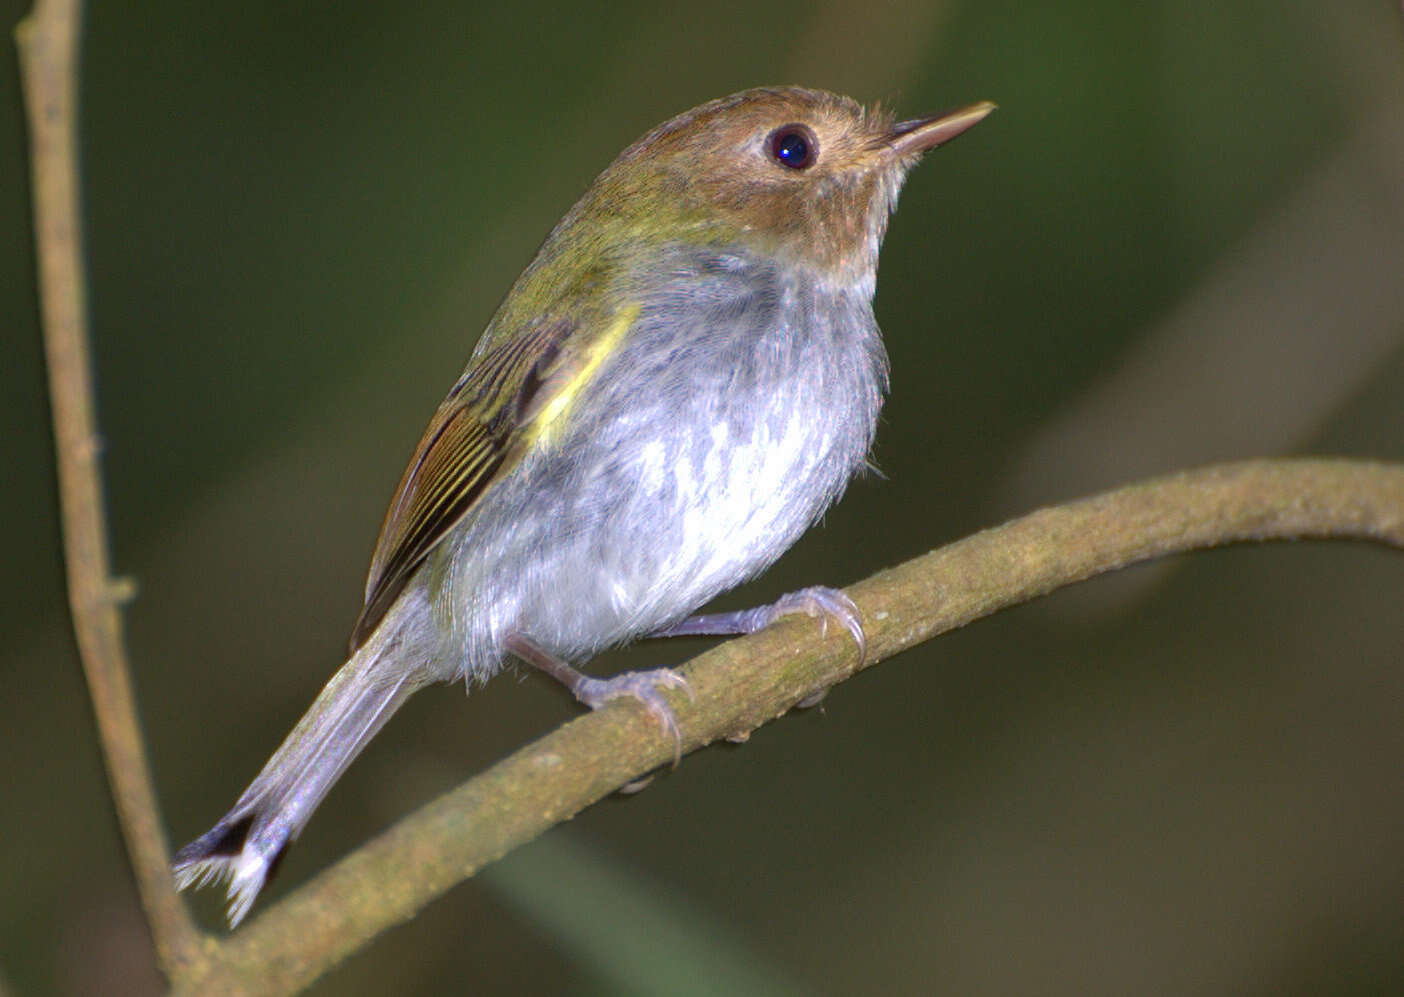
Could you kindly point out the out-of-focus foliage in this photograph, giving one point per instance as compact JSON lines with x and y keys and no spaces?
{"x":1179,"y":240}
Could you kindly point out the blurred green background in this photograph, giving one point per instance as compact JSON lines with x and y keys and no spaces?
{"x":1179,"y":240}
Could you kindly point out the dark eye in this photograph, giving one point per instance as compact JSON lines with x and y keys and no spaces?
{"x":793,"y":146}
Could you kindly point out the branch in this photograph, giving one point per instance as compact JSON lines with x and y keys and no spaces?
{"x":745,"y":683}
{"x":48,"y":46}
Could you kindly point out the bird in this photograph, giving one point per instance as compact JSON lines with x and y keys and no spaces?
{"x":683,"y":379}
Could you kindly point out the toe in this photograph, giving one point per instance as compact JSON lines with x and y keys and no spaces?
{"x":825,"y":603}
{"x":643,"y":687}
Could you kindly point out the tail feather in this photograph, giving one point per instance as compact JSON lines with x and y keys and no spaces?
{"x":245,"y":847}
{"x":227,"y":852}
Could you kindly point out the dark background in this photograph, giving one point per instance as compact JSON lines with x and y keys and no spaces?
{"x":1179,"y":240}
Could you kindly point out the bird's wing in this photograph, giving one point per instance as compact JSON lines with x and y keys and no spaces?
{"x":506,"y":401}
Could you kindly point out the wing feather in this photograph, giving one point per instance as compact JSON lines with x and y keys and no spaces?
{"x":474,"y":433}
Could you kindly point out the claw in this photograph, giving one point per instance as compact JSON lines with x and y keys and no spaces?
{"x":822,"y":603}
{"x":594,"y":692}
{"x":642,"y":686}
{"x":817,"y":601}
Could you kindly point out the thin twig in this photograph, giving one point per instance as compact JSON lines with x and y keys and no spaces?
{"x":48,"y":47}
{"x":747,"y":682}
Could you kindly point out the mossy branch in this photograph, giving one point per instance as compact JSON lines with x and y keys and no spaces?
{"x":747,"y":682}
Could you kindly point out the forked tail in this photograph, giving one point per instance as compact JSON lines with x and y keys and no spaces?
{"x":245,"y":846}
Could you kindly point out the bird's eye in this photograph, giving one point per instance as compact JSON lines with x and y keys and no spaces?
{"x":793,"y":146}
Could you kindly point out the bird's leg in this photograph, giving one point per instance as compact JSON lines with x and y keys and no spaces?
{"x":817,"y":601}
{"x":643,"y":686}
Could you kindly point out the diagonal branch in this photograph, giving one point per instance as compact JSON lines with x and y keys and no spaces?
{"x":48,"y":47}
{"x":747,"y":682}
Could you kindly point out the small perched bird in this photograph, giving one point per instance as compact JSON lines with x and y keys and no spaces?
{"x":676,"y":388}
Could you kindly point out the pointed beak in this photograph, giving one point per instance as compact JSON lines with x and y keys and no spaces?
{"x":912,"y":138}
